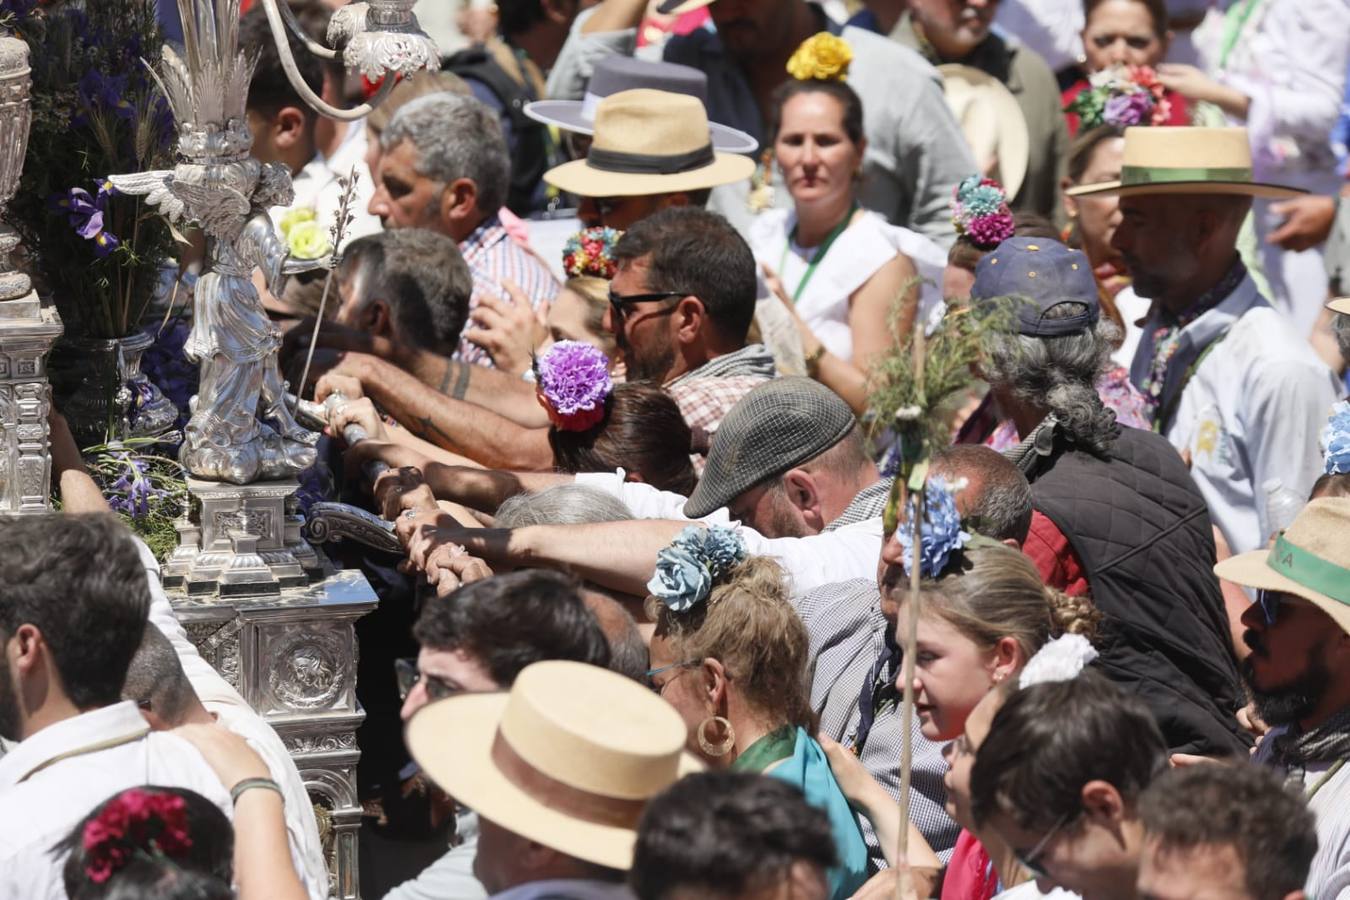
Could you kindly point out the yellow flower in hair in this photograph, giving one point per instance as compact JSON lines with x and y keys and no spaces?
{"x":821,"y":57}
{"x":308,"y":240}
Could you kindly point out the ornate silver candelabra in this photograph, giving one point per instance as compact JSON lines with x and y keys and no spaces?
{"x":27,"y":330}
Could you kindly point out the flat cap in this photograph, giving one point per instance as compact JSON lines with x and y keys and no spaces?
{"x":1046,"y":273}
{"x":780,"y":424}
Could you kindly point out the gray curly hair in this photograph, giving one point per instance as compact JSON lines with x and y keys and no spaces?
{"x":456,"y":137}
{"x":1059,"y":374}
{"x":1340,"y":327}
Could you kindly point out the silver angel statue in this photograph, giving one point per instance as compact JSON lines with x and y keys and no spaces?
{"x":241,"y":429}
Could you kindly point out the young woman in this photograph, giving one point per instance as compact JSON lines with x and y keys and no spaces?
{"x":838,"y":268}
{"x":730,"y":654}
{"x":1125,"y":33}
{"x":980,"y":622}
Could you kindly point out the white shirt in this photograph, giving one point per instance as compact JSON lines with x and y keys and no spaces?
{"x":861,"y":249}
{"x":234,"y":713}
{"x":1252,"y":411}
{"x":56,"y":777}
{"x":1329,"y":875}
{"x":840,"y":555}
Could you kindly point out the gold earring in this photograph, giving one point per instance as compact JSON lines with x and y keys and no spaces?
{"x":708,"y":746}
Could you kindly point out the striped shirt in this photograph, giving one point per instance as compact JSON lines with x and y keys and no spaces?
{"x":493,"y":257}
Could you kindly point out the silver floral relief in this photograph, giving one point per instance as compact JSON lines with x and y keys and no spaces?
{"x":297,"y":744}
{"x":310,"y":669}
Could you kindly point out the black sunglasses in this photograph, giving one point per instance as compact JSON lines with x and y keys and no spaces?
{"x":617,"y":302}
{"x":408,"y":675}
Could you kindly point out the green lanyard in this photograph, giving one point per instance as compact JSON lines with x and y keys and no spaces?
{"x":773,"y":747}
{"x":818,"y":255}
{"x":1233,"y":23}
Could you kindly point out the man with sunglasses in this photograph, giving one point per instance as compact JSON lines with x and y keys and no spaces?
{"x":1299,"y":671}
{"x":476,"y":640}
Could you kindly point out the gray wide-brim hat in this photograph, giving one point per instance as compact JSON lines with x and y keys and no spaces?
{"x":616,"y":74}
{"x":780,"y":424}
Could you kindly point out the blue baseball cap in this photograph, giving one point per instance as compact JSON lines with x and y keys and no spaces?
{"x":1045,"y":274}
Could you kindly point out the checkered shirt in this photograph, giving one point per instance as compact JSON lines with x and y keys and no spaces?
{"x":869,"y":503}
{"x":493,"y":257}
{"x":847,"y":634}
{"x":706,"y":394}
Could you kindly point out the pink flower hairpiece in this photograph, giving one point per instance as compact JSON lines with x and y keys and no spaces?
{"x":980,"y":212}
{"x":591,"y":252}
{"x":135,"y":821}
{"x":572,"y":382}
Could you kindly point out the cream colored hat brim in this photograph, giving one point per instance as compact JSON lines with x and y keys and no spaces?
{"x":1340,"y":305}
{"x":1250,"y":570}
{"x":452,"y":741}
{"x":578,"y":177}
{"x":1232,"y":188}
{"x":1011,"y":139}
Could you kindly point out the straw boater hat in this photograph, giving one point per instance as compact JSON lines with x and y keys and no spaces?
{"x":615,"y":74}
{"x":1340,"y":305}
{"x":568,"y":758}
{"x":649,"y":142}
{"x":1186,"y":160}
{"x":991,"y":121}
{"x":1310,"y":560}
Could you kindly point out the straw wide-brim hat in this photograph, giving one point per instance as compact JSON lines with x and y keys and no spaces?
{"x":615,"y":74}
{"x":569,"y":758}
{"x":1340,"y":305}
{"x":1186,"y":160}
{"x":991,"y":121}
{"x":1310,"y":560}
{"x":649,"y":142}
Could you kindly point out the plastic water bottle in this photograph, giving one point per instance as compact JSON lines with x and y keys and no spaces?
{"x":1282,"y":505}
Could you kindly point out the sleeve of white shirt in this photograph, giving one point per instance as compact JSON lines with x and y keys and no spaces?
{"x":1299,"y":92}
{"x":1286,"y":409}
{"x":842,"y":555}
{"x":645,"y":501}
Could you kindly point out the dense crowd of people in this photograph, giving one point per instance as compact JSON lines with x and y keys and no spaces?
{"x":624,"y":283}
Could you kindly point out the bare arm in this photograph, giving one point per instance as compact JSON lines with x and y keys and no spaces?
{"x":458,"y":426}
{"x":615,"y":15}
{"x":79,"y":493}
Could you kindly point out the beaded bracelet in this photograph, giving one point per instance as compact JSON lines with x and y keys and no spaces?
{"x":249,"y":783}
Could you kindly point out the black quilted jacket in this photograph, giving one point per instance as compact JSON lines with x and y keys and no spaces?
{"x":1141,"y":529}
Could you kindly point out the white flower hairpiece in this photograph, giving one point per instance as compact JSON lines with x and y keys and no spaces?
{"x":1059,"y":660}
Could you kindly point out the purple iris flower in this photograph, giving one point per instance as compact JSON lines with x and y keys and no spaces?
{"x":1128,"y":109}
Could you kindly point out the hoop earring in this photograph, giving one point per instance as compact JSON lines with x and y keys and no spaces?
{"x":708,"y":746}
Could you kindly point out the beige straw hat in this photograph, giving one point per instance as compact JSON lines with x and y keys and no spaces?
{"x":1340,"y":305}
{"x":992,"y":122}
{"x":1310,"y":560}
{"x":1186,"y":160}
{"x":568,"y":758}
{"x":649,"y":142}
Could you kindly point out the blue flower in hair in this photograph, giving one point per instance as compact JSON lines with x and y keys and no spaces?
{"x":940,"y":534}
{"x":1336,"y":438}
{"x":687,"y":570}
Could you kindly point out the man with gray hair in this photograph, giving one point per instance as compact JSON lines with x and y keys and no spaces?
{"x":410,"y":286}
{"x":445,"y":167}
{"x":1116,"y":512}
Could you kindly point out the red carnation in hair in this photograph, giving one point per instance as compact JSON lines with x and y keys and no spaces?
{"x":135,"y":821}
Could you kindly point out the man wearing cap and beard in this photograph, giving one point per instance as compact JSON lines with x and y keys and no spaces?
{"x":917,"y":153}
{"x":1230,"y":381}
{"x":558,"y":770}
{"x":1299,"y":671}
{"x":1117,"y":515}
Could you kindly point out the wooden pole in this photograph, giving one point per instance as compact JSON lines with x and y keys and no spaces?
{"x":904,"y":887}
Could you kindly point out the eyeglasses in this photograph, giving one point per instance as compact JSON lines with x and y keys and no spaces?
{"x":1032,"y":858}
{"x":683,"y":666}
{"x":1270,"y":605}
{"x":617,"y":302}
{"x":408,"y":675}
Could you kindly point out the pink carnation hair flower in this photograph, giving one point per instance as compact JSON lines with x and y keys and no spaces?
{"x":135,"y":821}
{"x":572,"y":383}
